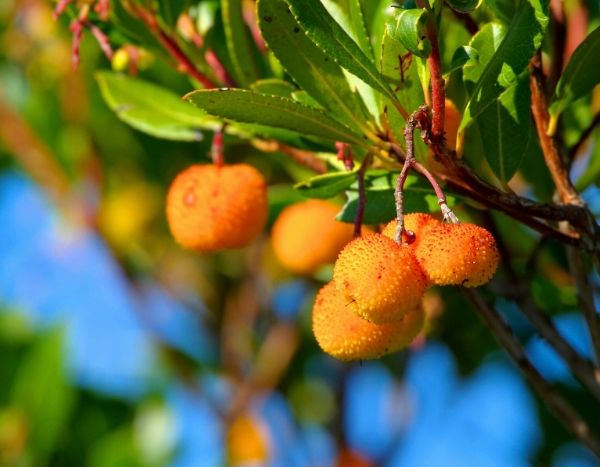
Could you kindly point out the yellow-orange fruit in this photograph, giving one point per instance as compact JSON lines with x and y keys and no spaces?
{"x":247,"y":441}
{"x":306,"y":235}
{"x":458,"y":254}
{"x":384,"y":279}
{"x":417,"y":222}
{"x":210,"y":208}
{"x":344,"y":335}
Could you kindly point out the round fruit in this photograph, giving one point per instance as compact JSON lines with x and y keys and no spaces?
{"x":306,"y":236}
{"x":382,"y":278}
{"x":417,"y":222}
{"x":458,"y":254}
{"x":210,"y":208}
{"x":344,"y":335}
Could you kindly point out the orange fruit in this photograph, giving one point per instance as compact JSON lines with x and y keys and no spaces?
{"x":343,"y":334}
{"x":458,"y":254}
{"x":210,"y":208}
{"x":417,"y":222}
{"x":306,"y":235}
{"x":382,"y":278}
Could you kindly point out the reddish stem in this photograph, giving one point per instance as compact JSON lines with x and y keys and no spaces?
{"x":102,"y":39}
{"x":216,"y":149}
{"x":438,"y":85}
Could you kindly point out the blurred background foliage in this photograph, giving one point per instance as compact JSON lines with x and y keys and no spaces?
{"x":118,"y":348}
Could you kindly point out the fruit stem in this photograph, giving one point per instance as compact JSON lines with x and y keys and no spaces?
{"x":418,"y":119}
{"x":216,"y":148}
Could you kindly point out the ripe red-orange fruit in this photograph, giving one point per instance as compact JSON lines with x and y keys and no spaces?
{"x":384,"y":279}
{"x":458,"y":254}
{"x":306,"y":235}
{"x":417,"y":222}
{"x":210,"y":208}
{"x":343,"y":334}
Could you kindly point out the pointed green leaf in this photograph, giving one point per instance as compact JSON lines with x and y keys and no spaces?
{"x":329,"y":36}
{"x":153,"y":109}
{"x":315,"y":71}
{"x":264,"y":109}
{"x":505,"y":126}
{"x":240,"y":44}
{"x":580,"y":76}
{"x":361,"y":33}
{"x":523,"y":38}
{"x":409,"y":29}
{"x":327,"y":185}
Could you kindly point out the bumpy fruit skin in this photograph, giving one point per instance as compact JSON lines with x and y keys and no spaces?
{"x":417,"y":222}
{"x":211,"y":208}
{"x":306,"y":236}
{"x":344,"y":335}
{"x":382,"y":278}
{"x":458,"y":254}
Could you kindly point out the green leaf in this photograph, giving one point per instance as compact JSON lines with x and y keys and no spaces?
{"x":153,"y":109}
{"x":42,"y":391}
{"x":329,"y":36}
{"x":505,"y":10}
{"x":463,"y":55}
{"x":275,"y":86}
{"x":310,"y":67}
{"x":357,"y":20}
{"x":482,"y":48}
{"x":523,"y":38}
{"x":409,"y":29}
{"x":264,"y":109}
{"x":505,"y":127}
{"x":327,"y":185}
{"x":240,"y":44}
{"x":463,"y":6}
{"x":580,"y":76}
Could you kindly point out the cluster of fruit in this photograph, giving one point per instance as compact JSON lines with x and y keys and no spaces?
{"x":373,"y":304}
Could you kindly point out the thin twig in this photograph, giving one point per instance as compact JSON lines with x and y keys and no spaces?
{"x":561,"y":408}
{"x":418,"y":119}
